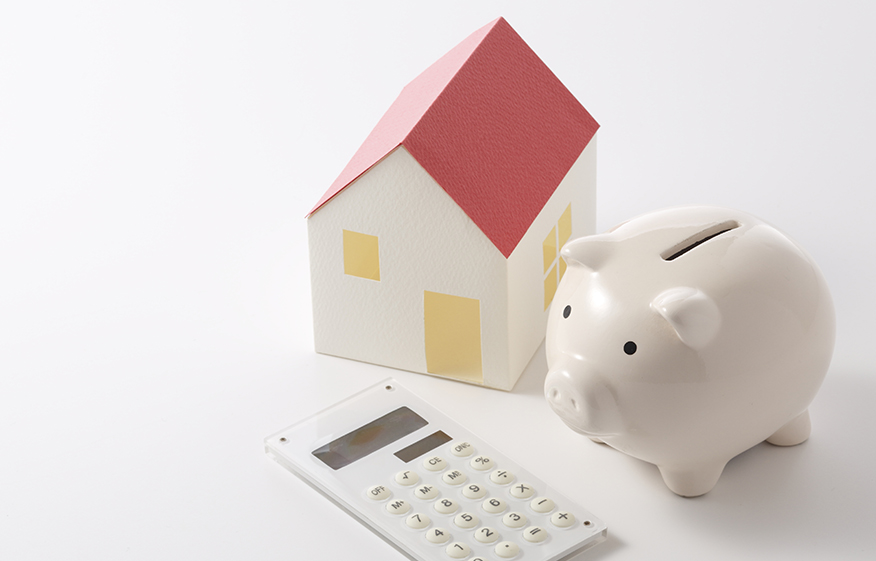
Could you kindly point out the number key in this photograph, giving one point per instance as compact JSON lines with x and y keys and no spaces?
{"x":458,"y":550}
{"x":486,"y":535}
{"x":474,"y":492}
{"x":466,"y":520}
{"x":514,"y":520}
{"x":494,"y":505}
{"x":438,"y":535}
{"x":446,"y":506}
{"x":418,"y":521}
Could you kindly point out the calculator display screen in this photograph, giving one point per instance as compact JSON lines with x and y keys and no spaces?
{"x":420,"y":447}
{"x":369,"y":438}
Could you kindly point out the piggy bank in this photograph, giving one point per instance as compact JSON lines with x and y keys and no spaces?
{"x":686,"y":336}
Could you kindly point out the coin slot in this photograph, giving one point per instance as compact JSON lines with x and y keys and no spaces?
{"x":697,"y":239}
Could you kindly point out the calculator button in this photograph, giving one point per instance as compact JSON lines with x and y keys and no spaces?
{"x":435,"y":463}
{"x":461,"y":449}
{"x":514,"y":520}
{"x":379,"y":493}
{"x":438,"y":535}
{"x":481,"y":463}
{"x":426,"y":492}
{"x":486,"y":534}
{"x":466,"y":520}
{"x":522,"y":491}
{"x":494,"y":505}
{"x":418,"y":521}
{"x":535,"y":534}
{"x":446,"y":506}
{"x":501,"y":477}
{"x":407,"y":478}
{"x":398,"y":507}
{"x":507,"y":550}
{"x":562,"y":519}
{"x":454,"y":477}
{"x":474,"y":492}
{"x":477,"y":559}
{"x":542,"y":504}
{"x":458,"y":550}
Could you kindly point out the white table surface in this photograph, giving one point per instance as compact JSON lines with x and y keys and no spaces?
{"x":156,"y":163}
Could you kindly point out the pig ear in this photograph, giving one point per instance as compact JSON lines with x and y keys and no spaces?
{"x":590,"y":252}
{"x":692,"y":314}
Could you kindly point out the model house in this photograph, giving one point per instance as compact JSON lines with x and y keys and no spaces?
{"x":436,"y":249}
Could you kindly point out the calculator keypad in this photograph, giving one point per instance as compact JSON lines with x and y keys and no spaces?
{"x":471,"y":502}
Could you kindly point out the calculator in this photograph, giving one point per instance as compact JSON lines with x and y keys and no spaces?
{"x":427,"y":485}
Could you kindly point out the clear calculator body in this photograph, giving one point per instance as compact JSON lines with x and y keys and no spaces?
{"x":428,"y":486}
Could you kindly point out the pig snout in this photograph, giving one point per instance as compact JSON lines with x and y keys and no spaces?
{"x":577,"y":393}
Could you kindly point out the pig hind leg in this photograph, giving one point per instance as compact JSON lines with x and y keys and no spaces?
{"x":793,"y":432}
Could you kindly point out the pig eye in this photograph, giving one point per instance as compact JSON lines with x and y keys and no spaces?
{"x":567,"y":311}
{"x":630,"y":348}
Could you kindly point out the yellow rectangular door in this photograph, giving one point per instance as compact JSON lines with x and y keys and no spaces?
{"x":453,"y":336}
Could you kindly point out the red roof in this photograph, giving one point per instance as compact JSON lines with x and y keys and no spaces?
{"x":491,"y":124}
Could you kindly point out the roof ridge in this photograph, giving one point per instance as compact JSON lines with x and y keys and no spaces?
{"x":380,"y":141}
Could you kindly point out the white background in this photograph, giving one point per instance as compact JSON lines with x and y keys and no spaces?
{"x":156,"y":163}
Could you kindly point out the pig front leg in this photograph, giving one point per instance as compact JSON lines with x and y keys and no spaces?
{"x":794,"y":432}
{"x":690,"y":481}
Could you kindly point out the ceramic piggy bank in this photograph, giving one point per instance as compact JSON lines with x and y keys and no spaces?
{"x":686,"y":336}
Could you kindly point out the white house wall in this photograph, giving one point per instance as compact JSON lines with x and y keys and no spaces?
{"x":426,"y":242}
{"x":527,"y":317}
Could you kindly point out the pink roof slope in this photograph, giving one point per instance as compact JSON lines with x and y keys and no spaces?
{"x":491,"y":124}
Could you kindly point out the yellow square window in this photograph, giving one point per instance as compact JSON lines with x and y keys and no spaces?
{"x":361,"y":255}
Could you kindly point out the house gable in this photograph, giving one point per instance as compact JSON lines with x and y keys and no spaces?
{"x":429,"y":246}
